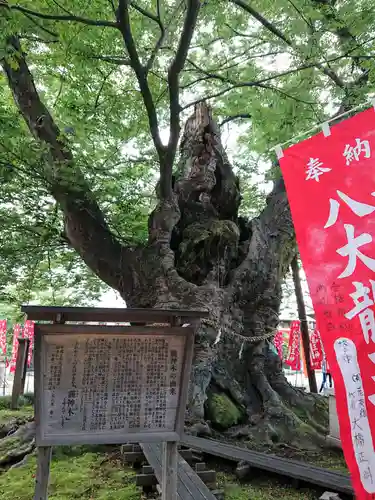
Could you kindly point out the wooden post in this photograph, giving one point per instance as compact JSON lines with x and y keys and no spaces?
{"x":20,"y":373}
{"x":304,"y":325}
{"x":44,"y":452}
{"x":4,"y":376}
{"x":42,"y":472}
{"x":169,"y":481}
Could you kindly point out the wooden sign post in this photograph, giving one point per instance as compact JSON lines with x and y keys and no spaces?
{"x":20,"y":372}
{"x":42,"y":472}
{"x":169,"y":481}
{"x":98,"y":384}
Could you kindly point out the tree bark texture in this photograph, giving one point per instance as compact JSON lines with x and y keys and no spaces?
{"x":200,"y":255}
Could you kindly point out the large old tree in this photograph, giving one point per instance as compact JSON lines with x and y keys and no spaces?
{"x":92,"y":97}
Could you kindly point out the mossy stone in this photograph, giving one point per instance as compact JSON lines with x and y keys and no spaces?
{"x":222,"y":412}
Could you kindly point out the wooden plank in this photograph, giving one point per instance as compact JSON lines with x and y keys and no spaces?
{"x":147,"y":469}
{"x":38,"y":382}
{"x":169,"y":471}
{"x":189,"y":478}
{"x":153,"y":457}
{"x":207,"y":476}
{"x":186,"y":455}
{"x":189,"y":485}
{"x":184,"y":384}
{"x":99,"y":330}
{"x":106,"y":439}
{"x":20,"y":372}
{"x":283,"y":466}
{"x":41,"y":313}
{"x":131,"y":457}
{"x":42,"y":472}
{"x":126,"y":448}
{"x":145,"y":480}
{"x":186,"y":489}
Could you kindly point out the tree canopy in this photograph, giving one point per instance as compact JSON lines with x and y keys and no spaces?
{"x":119,"y":78}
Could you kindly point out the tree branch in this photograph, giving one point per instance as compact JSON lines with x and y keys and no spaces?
{"x":285,"y":94}
{"x":231,"y":62}
{"x":148,"y":14}
{"x":161,"y":38}
{"x":120,"y":61}
{"x":158,"y":8}
{"x":39,"y":25}
{"x":300,"y":13}
{"x":62,"y":7}
{"x":163,"y":33}
{"x":273,"y":29}
{"x":267,"y":24}
{"x":174,"y":72}
{"x":256,"y":83}
{"x":228,"y":119}
{"x":52,"y":17}
{"x":141,"y":74}
{"x":105,"y":78}
{"x":343,"y":33}
{"x":85,"y":224}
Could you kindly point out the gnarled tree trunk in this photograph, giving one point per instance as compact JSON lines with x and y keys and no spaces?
{"x":202,"y":255}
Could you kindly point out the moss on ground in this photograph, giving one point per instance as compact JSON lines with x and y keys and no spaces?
{"x":262,"y":489}
{"x":11,"y":419}
{"x":330,"y":459}
{"x":82,"y":472}
{"x":83,"y":475}
{"x":100,"y":476}
{"x":24,"y":413}
{"x":95,"y":473}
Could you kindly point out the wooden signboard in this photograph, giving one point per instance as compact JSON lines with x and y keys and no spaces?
{"x":98,"y":384}
{"x":104,"y":385}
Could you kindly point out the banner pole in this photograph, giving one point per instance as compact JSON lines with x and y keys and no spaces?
{"x":5,"y":375}
{"x":304,"y":325}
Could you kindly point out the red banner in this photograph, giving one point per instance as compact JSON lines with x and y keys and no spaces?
{"x":17,"y":331}
{"x":331,"y":187}
{"x":294,"y":353}
{"x":3,"y":336}
{"x":28,"y":333}
{"x":278,"y":342}
{"x":316,"y":351}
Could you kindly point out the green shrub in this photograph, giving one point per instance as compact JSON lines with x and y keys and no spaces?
{"x":25,"y":400}
{"x":29,"y":398}
{"x":5,"y":402}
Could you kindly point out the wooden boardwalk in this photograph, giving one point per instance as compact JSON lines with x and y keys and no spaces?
{"x":330,"y":480}
{"x":189,"y":485}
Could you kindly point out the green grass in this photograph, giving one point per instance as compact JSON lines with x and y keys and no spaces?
{"x":261,"y":489}
{"x":74,"y":474}
{"x":93,"y":473}
{"x":25,"y":412}
{"x":334,"y":461}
